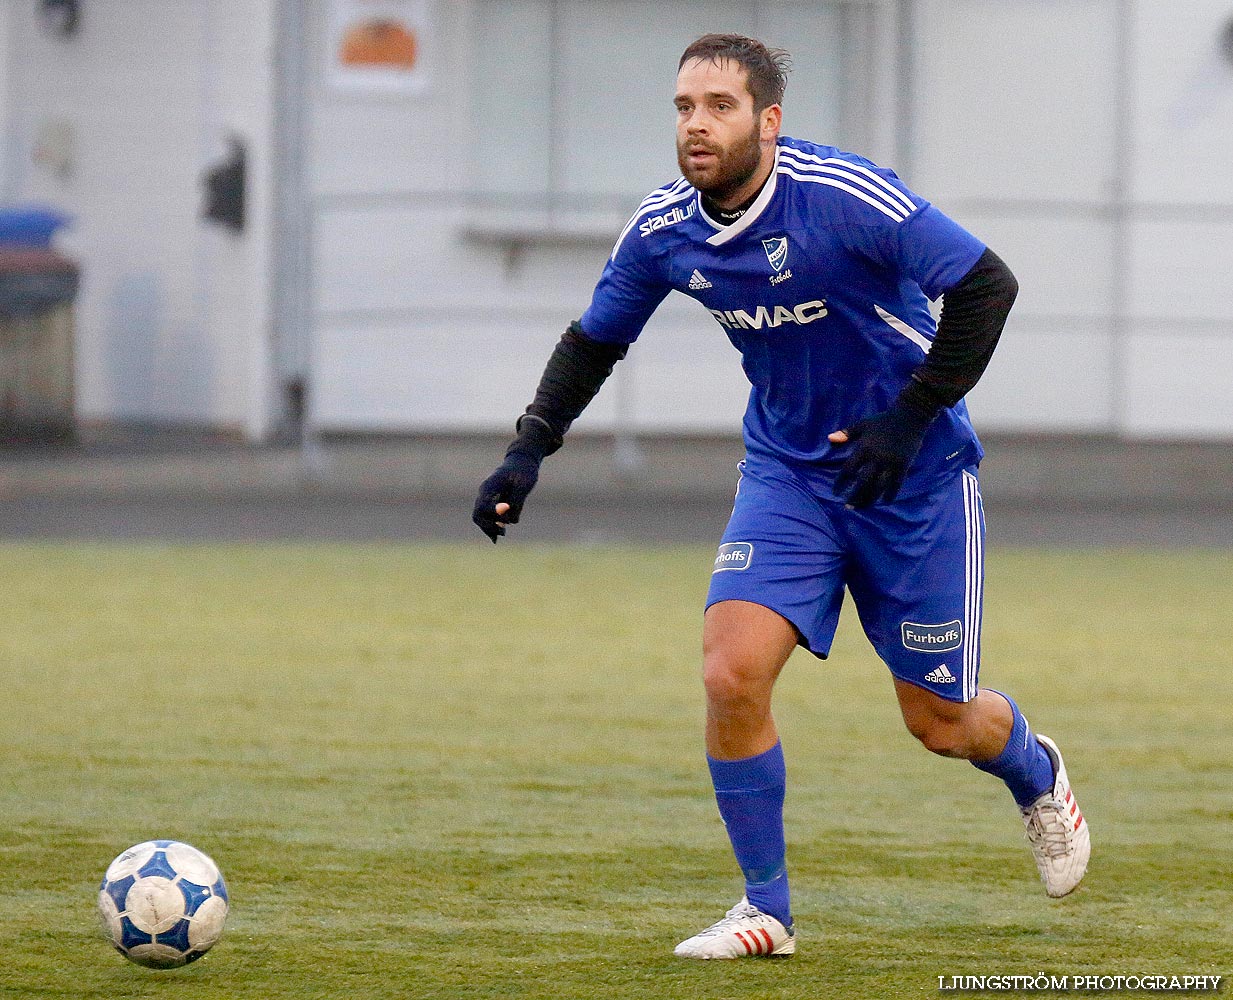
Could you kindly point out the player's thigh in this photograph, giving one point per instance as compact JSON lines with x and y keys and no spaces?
{"x":780,"y":551}
{"x":917,"y":579}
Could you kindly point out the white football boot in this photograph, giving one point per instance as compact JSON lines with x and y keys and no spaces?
{"x":1057,"y":831}
{"x":744,"y":932}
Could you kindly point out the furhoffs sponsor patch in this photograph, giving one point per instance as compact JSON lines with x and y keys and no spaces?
{"x":932,"y":638}
{"x":733,"y":555}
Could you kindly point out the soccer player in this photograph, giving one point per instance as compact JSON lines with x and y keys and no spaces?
{"x":861,"y":464}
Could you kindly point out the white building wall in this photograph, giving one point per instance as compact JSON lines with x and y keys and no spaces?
{"x":1088,"y":141}
{"x":172,"y":314}
{"x":1105,"y":185}
{"x":1179,"y":359}
{"x":6,"y":139}
{"x":426,"y":316}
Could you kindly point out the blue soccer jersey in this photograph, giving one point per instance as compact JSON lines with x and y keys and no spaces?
{"x":822,"y":285}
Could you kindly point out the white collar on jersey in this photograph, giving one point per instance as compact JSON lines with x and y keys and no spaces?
{"x":731,"y":232}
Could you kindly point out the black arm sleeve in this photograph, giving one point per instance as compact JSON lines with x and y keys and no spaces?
{"x":973,"y":315}
{"x":575,"y":371}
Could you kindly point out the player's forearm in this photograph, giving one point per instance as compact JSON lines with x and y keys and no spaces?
{"x":575,"y":371}
{"x":973,"y":315}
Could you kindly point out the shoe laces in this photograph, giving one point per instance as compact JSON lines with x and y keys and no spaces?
{"x":742,"y":911}
{"x":1047,"y":829}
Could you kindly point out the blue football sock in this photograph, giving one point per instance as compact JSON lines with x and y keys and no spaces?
{"x":1024,"y":764}
{"x":750,"y":794}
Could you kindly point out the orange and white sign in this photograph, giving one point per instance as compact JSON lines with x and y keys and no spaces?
{"x":378,"y":44}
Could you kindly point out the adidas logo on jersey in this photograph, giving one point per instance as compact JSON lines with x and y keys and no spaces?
{"x":940,"y":676}
{"x":697,"y":281}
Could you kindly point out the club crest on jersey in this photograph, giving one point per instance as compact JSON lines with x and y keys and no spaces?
{"x":776,"y":252}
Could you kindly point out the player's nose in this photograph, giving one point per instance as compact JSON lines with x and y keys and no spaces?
{"x":696,"y":123}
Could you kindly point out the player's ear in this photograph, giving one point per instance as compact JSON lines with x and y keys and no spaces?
{"x":771,"y":119}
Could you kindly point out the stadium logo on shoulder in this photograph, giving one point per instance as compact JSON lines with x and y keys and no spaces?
{"x":932,"y":638}
{"x":658,"y":222}
{"x":733,"y":555}
{"x":776,"y":252}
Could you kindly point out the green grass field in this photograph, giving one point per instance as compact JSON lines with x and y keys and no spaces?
{"x":460,"y":771}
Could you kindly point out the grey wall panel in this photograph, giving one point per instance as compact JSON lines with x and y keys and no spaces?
{"x":617,"y":79}
{"x":436,"y":374}
{"x":1179,"y":382}
{"x":1063,"y":259}
{"x":1014,"y":100}
{"x":823,"y":70}
{"x":415,"y":253}
{"x":394,"y":142}
{"x":686,"y":376}
{"x":1182,"y":268}
{"x":392,"y":254}
{"x":1183,"y":103}
{"x":450,"y":372}
{"x":1047,"y":376}
{"x":511,"y":110}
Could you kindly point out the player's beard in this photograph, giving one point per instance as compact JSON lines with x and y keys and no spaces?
{"x":731,"y":168}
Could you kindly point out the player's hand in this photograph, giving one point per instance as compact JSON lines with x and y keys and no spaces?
{"x":885,"y":446}
{"x":503,"y":493}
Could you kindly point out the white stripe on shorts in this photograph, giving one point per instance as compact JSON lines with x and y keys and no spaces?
{"x":973,"y":583}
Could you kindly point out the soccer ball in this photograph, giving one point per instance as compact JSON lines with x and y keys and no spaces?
{"x":163,"y":904}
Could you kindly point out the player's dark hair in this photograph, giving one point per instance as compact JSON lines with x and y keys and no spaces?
{"x":767,"y":68}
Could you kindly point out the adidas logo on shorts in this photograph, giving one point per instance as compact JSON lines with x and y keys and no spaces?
{"x":940,"y":676}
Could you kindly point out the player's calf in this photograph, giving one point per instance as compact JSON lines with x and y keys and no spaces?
{"x":973,"y":730}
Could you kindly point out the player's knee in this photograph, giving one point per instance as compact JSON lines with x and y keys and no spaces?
{"x":941,"y":736}
{"x":724,"y":680}
{"x":732,"y":681}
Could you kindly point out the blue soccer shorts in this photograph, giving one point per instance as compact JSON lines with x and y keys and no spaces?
{"x":914,"y":568}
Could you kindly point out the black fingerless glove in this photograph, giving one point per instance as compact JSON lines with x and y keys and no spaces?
{"x":884,"y":447}
{"x":515,"y":477}
{"x":974,"y":312}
